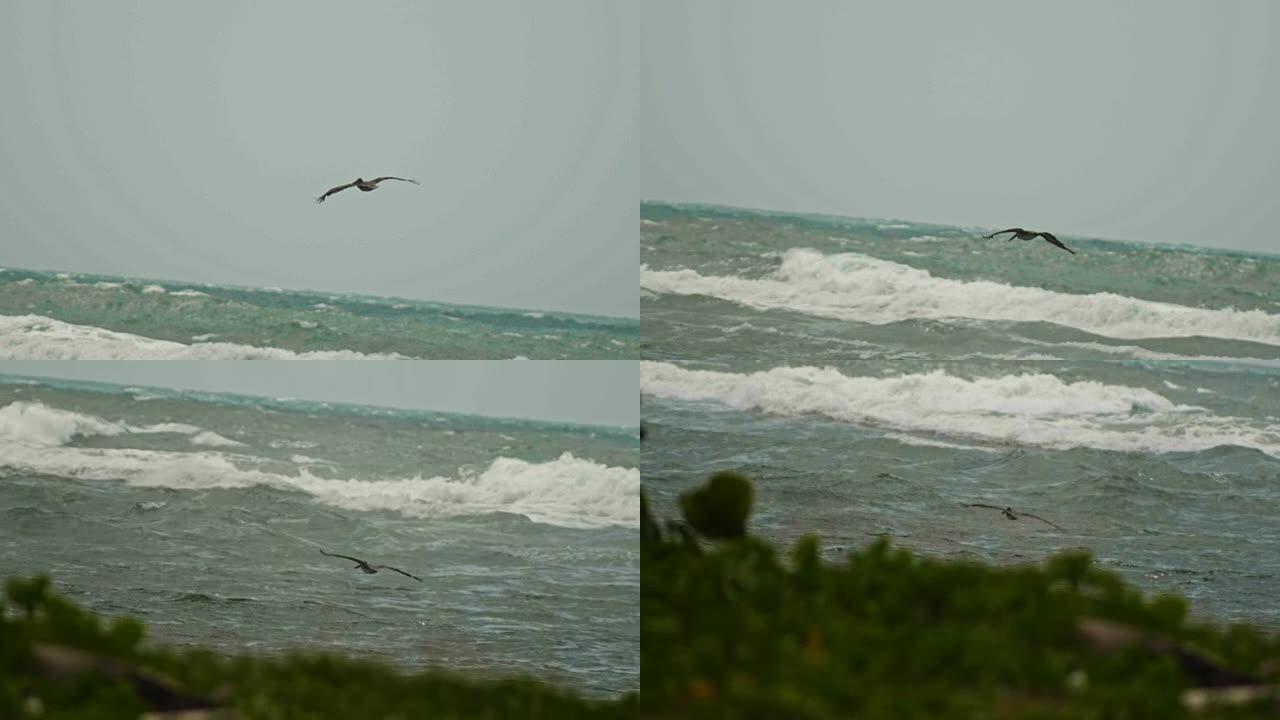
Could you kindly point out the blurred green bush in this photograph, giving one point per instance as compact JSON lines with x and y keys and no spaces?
{"x":730,"y":628}
{"x":59,"y":661}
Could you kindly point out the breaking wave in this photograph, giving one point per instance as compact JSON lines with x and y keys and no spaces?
{"x":858,"y":287}
{"x":33,"y":337}
{"x":1032,"y":409}
{"x":568,"y":491}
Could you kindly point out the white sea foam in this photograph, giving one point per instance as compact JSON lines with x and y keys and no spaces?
{"x":213,"y":439}
{"x":906,"y":439}
{"x":104,"y":285}
{"x":858,"y":287}
{"x":568,"y":491}
{"x":39,"y":424}
{"x":33,"y":337}
{"x":154,"y":290}
{"x":26,"y":281}
{"x":1032,"y":409}
{"x":35,"y":423}
{"x":1141,"y":353}
{"x":189,"y":293}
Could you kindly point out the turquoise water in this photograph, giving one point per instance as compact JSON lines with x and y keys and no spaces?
{"x":876,"y":376}
{"x":47,"y":315}
{"x":204,"y":514}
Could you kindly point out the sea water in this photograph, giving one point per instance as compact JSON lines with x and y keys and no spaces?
{"x":875,"y":377}
{"x":204,"y":515}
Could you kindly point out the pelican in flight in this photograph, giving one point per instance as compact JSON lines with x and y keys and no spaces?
{"x":1021,"y":234}
{"x":1009,"y":513}
{"x":368,"y":569}
{"x":364,"y":185}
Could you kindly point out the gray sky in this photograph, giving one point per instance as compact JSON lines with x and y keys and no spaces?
{"x":1153,"y":120}
{"x":599,"y":392}
{"x":186,"y":140}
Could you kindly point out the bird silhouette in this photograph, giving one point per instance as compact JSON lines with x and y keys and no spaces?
{"x":368,"y":569}
{"x":364,"y":185}
{"x":1021,"y":234}
{"x":1009,"y":513}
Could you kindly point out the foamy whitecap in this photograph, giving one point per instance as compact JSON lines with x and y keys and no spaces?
{"x":188,"y":293}
{"x":39,"y":424}
{"x":858,"y":287}
{"x":33,"y":337}
{"x":213,"y":439}
{"x":568,"y":491}
{"x":153,"y":290}
{"x":1033,"y":409}
{"x":35,"y":423}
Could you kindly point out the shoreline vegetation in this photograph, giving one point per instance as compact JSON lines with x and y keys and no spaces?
{"x":60,"y":661}
{"x":732,"y":627}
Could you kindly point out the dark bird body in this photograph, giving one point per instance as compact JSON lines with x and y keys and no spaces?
{"x":1010,"y":514}
{"x":368,"y":569}
{"x":1021,"y":234}
{"x":363,"y":185}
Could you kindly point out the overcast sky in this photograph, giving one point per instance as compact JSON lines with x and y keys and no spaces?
{"x":599,"y":392}
{"x":1152,"y":120}
{"x":186,"y":140}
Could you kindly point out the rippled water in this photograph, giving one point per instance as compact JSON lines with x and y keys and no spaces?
{"x":45,"y":315}
{"x":204,"y":515}
{"x":874,"y":377}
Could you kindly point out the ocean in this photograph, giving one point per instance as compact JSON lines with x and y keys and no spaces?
{"x":874,"y":377}
{"x":204,"y":515}
{"x":56,"y":316}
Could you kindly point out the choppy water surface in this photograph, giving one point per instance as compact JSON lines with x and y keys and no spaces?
{"x":875,"y":376}
{"x":45,"y":315}
{"x":204,"y":515}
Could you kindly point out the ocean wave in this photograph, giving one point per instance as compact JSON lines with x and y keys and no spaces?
{"x":35,"y":423}
{"x":568,"y":491}
{"x":852,"y":286}
{"x":1032,"y":409}
{"x":213,"y":439}
{"x":34,"y":337}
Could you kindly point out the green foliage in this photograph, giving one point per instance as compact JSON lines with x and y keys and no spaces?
{"x":720,"y":509}
{"x":731,"y":629}
{"x":297,"y":686}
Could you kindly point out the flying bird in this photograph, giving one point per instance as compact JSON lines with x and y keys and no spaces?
{"x":364,"y":185}
{"x":1009,"y":513}
{"x":1021,"y":234}
{"x":368,"y":569}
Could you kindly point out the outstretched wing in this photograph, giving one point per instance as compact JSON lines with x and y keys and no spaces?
{"x":1054,"y":241}
{"x":333,"y":190}
{"x":983,"y":505}
{"x":375,"y":181}
{"x":1032,"y":515}
{"x":1001,"y":232}
{"x":388,"y":567}
{"x":345,"y":557}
